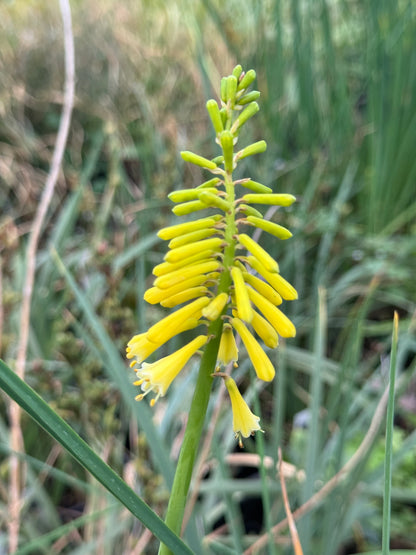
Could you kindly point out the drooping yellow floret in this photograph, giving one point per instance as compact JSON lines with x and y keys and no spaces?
{"x":158,"y":375}
{"x":261,"y":362}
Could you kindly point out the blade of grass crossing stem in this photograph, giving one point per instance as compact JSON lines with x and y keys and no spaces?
{"x":389,"y":441}
{"x":50,"y":421}
{"x":314,"y":435}
{"x":117,"y":370}
{"x":265,"y":488}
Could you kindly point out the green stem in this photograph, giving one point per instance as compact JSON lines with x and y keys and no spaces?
{"x":199,"y":405}
{"x":196,"y":418}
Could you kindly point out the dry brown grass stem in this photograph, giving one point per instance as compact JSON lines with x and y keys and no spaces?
{"x":320,"y":495}
{"x":291,"y":521}
{"x":16,"y":438}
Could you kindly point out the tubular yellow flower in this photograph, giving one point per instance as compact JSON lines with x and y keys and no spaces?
{"x":241,"y":296}
{"x":184,"y":296}
{"x":265,"y":330}
{"x":215,"y":307}
{"x":169,"y":267}
{"x":228,"y":351}
{"x":172,"y":231}
{"x":158,"y":375}
{"x":283,"y":287}
{"x":245,"y":423}
{"x":261,"y":362}
{"x":171,"y":279}
{"x":185,"y":251}
{"x":263,"y":288}
{"x":274,"y":229}
{"x":167,"y":327}
{"x":277,"y":319}
{"x":191,"y":237}
{"x":258,"y":252}
{"x":156,"y":295}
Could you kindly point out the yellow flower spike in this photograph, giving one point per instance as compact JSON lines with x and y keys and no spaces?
{"x":241,"y":296}
{"x":215,"y":307}
{"x":191,"y":237}
{"x":277,"y":319}
{"x":270,"y":227}
{"x":156,"y":295}
{"x":228,"y":351}
{"x":283,"y":287}
{"x":167,"y":326}
{"x":158,"y":375}
{"x":262,"y":365}
{"x":258,"y":252}
{"x":172,"y":231}
{"x":168,"y":267}
{"x":265,"y":330}
{"x":245,"y":423}
{"x":171,"y":279}
{"x":263,"y":288}
{"x":184,"y":296}
{"x":181,"y":253}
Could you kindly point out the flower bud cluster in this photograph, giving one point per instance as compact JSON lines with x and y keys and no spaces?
{"x":214,"y":269}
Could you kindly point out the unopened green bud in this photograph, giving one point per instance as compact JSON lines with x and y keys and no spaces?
{"x":218,"y":160}
{"x":198,"y":160}
{"x":246,"y":114}
{"x":256,"y":187}
{"x":214,"y":114}
{"x":209,"y":183}
{"x":223,"y":91}
{"x":247,"y":79}
{"x":250,"y":211}
{"x":276,"y":200}
{"x":249,"y":97}
{"x":187,"y":194}
{"x":231,"y":88}
{"x":274,"y":229}
{"x":255,"y":148}
{"x":210,"y":199}
{"x":227,"y":143}
{"x":237,"y":71}
{"x":224,"y":113}
{"x":188,"y":207}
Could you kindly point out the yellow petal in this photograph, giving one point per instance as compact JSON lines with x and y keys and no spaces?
{"x":241,"y":296}
{"x":180,"y":229}
{"x":265,"y":330}
{"x":261,"y":362}
{"x":158,"y":375}
{"x":215,"y":307}
{"x":171,"y":279}
{"x":277,"y":319}
{"x":167,"y":327}
{"x":263,"y":288}
{"x":245,"y":423}
{"x":283,"y":287}
{"x":167,"y":267}
{"x":191,"y":237}
{"x":228,"y":351}
{"x":258,"y":252}
{"x":185,"y":251}
{"x":184,"y":296}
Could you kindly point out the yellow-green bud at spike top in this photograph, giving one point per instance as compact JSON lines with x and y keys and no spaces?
{"x":274,"y":229}
{"x":255,"y":148}
{"x":198,"y":160}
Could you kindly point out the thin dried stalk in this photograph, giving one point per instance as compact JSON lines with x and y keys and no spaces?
{"x":16,"y":438}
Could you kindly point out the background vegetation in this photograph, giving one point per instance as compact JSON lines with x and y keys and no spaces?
{"x":338,"y":111}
